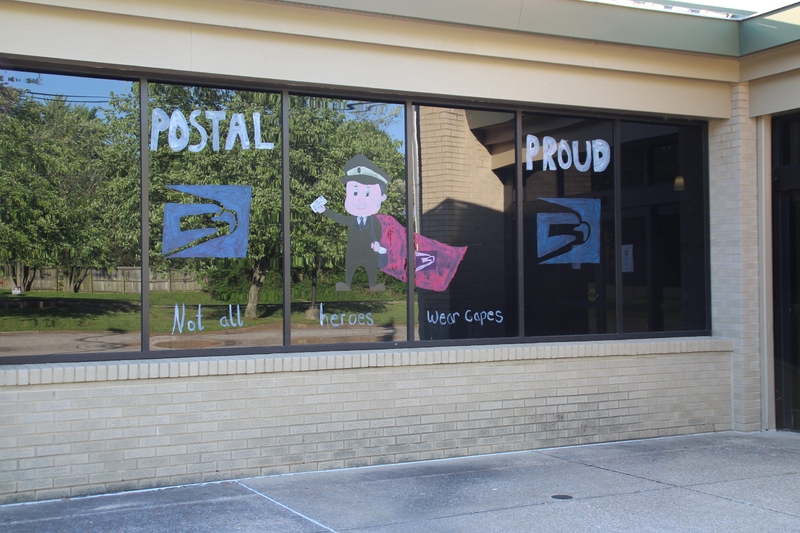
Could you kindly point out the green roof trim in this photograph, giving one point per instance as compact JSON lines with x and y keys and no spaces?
{"x":584,"y":20}
{"x":769,"y":30}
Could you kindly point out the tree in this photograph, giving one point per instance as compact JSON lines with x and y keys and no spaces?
{"x":49,"y":171}
{"x":118,"y":197}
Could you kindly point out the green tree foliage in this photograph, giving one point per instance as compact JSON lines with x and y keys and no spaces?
{"x":50,"y":171}
{"x":119,"y":197}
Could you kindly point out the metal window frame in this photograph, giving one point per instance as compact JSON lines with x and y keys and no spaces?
{"x":412,"y":159}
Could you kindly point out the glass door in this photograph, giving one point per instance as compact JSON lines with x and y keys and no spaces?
{"x":787,"y":297}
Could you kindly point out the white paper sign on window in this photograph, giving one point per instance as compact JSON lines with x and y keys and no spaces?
{"x":627,"y":258}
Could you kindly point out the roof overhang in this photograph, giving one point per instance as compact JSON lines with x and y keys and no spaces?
{"x":588,"y":20}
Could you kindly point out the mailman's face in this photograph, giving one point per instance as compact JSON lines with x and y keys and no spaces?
{"x":363,"y":200}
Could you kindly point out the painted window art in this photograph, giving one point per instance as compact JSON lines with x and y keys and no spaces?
{"x":568,"y":206}
{"x":579,"y":242}
{"x":277,"y":221}
{"x":229,"y":203}
{"x":215,"y":209}
{"x":350,"y":183}
{"x":365,"y":190}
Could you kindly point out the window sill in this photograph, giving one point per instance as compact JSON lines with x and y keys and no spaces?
{"x":55,"y":373}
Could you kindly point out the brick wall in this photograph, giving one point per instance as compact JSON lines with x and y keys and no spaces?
{"x":734,"y":252}
{"x":84,"y":428}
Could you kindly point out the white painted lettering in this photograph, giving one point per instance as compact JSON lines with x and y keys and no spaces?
{"x":215,"y":117}
{"x":531,"y":150}
{"x":576,"y":154}
{"x":238,"y":128}
{"x":602,"y":155}
{"x":177,"y":123}
{"x":159,"y":122}
{"x":563,"y":148}
{"x":555,"y":152}
{"x":323,"y":319}
{"x":200,"y":129}
{"x":179,"y":319}
{"x":260,"y":145}
{"x":549,"y":146}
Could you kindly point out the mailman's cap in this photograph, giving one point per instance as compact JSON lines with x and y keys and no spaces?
{"x":362,"y":170}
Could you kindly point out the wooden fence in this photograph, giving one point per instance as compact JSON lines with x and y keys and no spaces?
{"x":118,"y":280}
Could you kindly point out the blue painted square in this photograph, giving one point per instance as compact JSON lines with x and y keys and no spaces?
{"x":230,"y":204}
{"x":580,"y":243}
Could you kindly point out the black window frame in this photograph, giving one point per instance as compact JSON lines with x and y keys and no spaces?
{"x":412,"y":167}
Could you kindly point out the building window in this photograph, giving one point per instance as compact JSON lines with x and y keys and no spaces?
{"x":214,"y":218}
{"x":69,"y":215}
{"x":569,"y":207}
{"x":466,"y":259}
{"x":279,"y":220}
{"x":663,"y":228}
{"x":350,"y":155}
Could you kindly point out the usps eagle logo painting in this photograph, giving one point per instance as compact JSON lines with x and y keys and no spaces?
{"x":571,"y":235}
{"x":227,"y":205}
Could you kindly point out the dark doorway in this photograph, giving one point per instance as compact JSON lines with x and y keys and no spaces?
{"x":786,"y":240}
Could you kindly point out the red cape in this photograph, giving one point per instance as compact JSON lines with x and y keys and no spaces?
{"x":435,"y":263}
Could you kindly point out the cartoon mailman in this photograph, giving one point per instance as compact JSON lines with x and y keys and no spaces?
{"x":365,"y":189}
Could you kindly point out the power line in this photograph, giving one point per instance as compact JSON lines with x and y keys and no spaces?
{"x":67,"y":95}
{"x":72,"y":101}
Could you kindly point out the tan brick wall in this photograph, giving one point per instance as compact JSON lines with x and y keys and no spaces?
{"x":733,"y":186}
{"x":76,"y":429}
{"x":455,"y":165}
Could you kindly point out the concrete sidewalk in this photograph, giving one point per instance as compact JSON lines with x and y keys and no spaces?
{"x":713,"y":482}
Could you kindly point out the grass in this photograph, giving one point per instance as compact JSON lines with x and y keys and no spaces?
{"x":59,"y":311}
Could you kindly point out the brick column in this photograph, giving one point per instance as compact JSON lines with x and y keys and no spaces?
{"x":734,"y":252}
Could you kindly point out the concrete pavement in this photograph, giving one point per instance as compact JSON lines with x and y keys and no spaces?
{"x":729,"y":482}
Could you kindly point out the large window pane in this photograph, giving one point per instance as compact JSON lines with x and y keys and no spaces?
{"x":348,"y":197}
{"x":215,"y":218}
{"x":569,"y":226}
{"x":663,"y":228}
{"x":466,"y":254}
{"x":70,"y":236}
{"x":69,"y":215}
